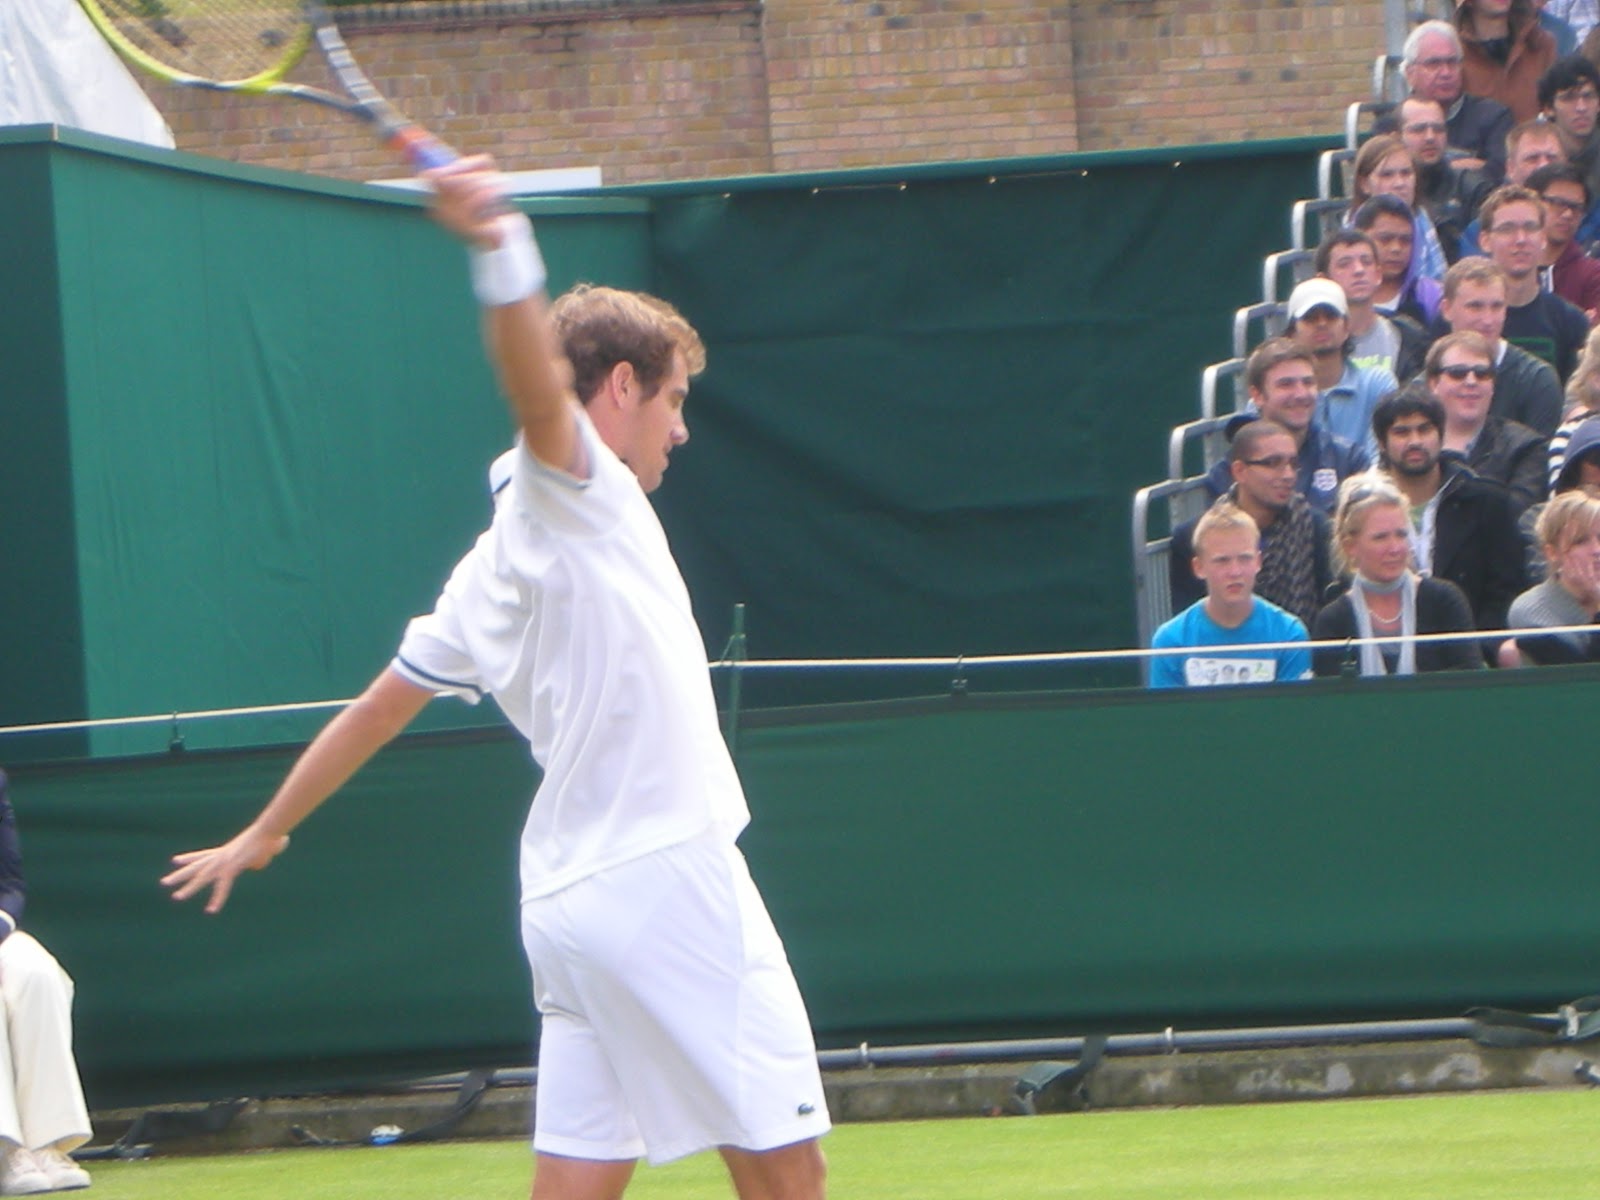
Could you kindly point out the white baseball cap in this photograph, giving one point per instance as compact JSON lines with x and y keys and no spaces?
{"x":1315,"y":293}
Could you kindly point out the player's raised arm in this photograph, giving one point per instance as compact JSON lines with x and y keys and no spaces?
{"x":345,"y":744}
{"x":508,"y":277}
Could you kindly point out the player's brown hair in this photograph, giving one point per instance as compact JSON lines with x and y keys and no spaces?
{"x":599,"y":327}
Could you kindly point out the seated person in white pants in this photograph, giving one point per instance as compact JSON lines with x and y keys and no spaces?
{"x":42,"y":1114}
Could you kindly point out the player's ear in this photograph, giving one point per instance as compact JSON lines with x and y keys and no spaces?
{"x":624,"y":382}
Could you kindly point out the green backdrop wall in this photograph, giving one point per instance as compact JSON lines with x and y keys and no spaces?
{"x":963,"y":867}
{"x":251,"y":417}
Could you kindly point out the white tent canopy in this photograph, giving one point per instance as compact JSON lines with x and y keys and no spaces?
{"x":56,"y":70}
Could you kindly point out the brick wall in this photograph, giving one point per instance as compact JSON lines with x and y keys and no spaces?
{"x":656,"y":91}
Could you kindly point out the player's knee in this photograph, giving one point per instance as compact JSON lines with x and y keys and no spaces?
{"x":795,"y":1172}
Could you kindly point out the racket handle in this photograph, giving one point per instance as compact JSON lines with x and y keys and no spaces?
{"x":424,"y":151}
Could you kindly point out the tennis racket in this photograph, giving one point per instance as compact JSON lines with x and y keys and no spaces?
{"x":249,"y":46}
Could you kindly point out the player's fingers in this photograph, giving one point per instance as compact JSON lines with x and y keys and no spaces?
{"x":220,"y":891}
{"x":189,"y":856}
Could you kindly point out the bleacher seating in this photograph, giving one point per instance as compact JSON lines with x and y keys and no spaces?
{"x":1194,"y":447}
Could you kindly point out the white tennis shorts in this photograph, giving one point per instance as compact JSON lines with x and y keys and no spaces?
{"x":671,"y":1021}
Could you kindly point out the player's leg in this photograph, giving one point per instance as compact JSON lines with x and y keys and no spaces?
{"x":559,"y":1178}
{"x":793,"y":1172}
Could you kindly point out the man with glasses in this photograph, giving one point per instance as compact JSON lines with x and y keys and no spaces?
{"x":1448,"y":195}
{"x":1525,"y":388}
{"x":1538,"y":321}
{"x":1283,"y":389}
{"x":1529,"y":147}
{"x":1431,"y":63}
{"x":1264,"y":463}
{"x":1460,"y":374}
{"x":1462,"y":527}
{"x":1567,"y":270}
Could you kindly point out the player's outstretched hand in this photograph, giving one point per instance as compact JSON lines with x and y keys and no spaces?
{"x":217,"y":867}
{"x":469,"y":199}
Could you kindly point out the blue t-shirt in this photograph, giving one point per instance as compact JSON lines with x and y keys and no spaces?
{"x":1192,"y":627}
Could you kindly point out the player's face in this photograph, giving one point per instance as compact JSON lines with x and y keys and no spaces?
{"x":1288,"y":394}
{"x":1380,"y":548}
{"x":1515,"y":242}
{"x":1422,"y":129}
{"x":1535,"y":150}
{"x":1464,"y":384}
{"x":1565,"y":203}
{"x":1355,"y":269}
{"x":1412,"y":445}
{"x":658,"y":426}
{"x":1227,"y":562}
{"x":1268,"y":477}
{"x":1436,"y":73}
{"x":1480,"y":307}
{"x":1393,"y":236}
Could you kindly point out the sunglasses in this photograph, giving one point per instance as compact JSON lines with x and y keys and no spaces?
{"x":1459,"y":371}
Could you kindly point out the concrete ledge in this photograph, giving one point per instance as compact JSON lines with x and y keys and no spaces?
{"x":910,"y":1093}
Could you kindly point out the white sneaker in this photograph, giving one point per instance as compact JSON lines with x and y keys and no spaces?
{"x":20,"y":1175}
{"x":64,"y":1174}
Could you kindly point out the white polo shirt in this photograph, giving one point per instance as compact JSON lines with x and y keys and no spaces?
{"x":570,"y":611}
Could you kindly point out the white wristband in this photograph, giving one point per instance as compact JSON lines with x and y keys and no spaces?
{"x":513,"y":270}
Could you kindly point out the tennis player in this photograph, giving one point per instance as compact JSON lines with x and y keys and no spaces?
{"x":670,"y":1019}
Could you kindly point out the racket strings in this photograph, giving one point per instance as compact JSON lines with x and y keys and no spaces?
{"x":219,"y":40}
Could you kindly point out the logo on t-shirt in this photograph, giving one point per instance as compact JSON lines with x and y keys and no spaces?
{"x":1219,"y":672}
{"x":1324,"y":479}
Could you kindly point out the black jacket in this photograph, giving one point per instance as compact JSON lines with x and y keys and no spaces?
{"x":1476,"y":543}
{"x":1514,"y":456}
{"x":1441,"y":608}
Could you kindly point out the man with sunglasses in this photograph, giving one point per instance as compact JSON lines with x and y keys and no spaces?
{"x":1460,"y":374}
{"x":1567,"y":271}
{"x":1264,"y":463}
{"x":1525,"y":388}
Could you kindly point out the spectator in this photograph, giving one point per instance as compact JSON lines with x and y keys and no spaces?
{"x":1431,"y":63}
{"x":1539,"y":321}
{"x":1504,"y":51}
{"x":1580,"y":469}
{"x":1462,"y":527}
{"x":1569,"y":99}
{"x":1231,"y":615}
{"x":1384,"y":167}
{"x":1401,"y":288}
{"x":1460,"y":373}
{"x":1582,"y":402}
{"x":1580,"y":15}
{"x":1570,"y":273}
{"x":1349,"y":257}
{"x":1384,"y":597}
{"x":1319,"y":323}
{"x":1529,"y":147}
{"x":1447,"y":194}
{"x":1525,"y":388}
{"x":1569,"y":537}
{"x":1264,"y":463}
{"x":1283,"y":388}
{"x":42,"y":1114}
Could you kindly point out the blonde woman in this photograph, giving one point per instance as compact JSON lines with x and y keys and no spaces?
{"x":1569,"y":535}
{"x":1385,"y":597}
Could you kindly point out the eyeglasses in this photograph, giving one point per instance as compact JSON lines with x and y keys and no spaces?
{"x":1459,"y":371}
{"x":1512,"y":228}
{"x":1565,"y":205}
{"x":1433,"y":64}
{"x":1275,"y":462}
{"x":1576,"y":96}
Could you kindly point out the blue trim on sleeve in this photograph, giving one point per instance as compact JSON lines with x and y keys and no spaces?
{"x":438,"y":679}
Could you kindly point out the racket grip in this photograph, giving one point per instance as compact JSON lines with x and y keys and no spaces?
{"x":424,"y":151}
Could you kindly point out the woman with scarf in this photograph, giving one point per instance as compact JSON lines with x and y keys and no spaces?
{"x":1384,"y":597}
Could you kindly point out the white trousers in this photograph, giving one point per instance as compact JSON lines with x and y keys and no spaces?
{"x":41,"y":1099}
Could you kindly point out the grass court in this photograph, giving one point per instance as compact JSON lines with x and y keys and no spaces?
{"x":1503,"y":1145}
